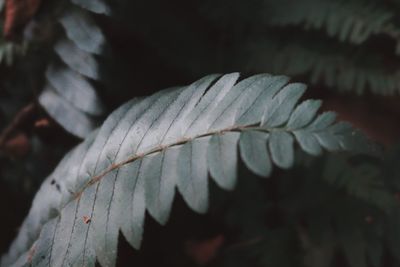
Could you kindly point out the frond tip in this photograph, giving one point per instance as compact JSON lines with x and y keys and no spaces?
{"x":172,"y":139}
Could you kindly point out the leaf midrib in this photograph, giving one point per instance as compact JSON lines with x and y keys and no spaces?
{"x":160,"y":148}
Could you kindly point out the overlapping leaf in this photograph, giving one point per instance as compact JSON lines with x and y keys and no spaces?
{"x":69,"y":92}
{"x":171,"y":140}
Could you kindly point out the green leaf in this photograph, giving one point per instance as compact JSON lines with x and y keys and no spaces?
{"x":68,"y":85}
{"x":159,"y":183}
{"x":66,"y":114}
{"x":254,"y":152}
{"x":254,"y":103}
{"x":303,"y":114}
{"x":75,"y":89}
{"x":322,"y":121}
{"x":308,"y":142}
{"x":281,"y":148}
{"x":77,"y":59}
{"x":278,"y":113}
{"x":83,"y":31}
{"x":222,"y":159}
{"x":150,"y":146}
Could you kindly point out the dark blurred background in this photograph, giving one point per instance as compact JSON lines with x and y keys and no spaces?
{"x":346,"y":51}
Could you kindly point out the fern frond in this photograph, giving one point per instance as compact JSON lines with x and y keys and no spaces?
{"x":69,"y":93}
{"x":171,"y":139}
{"x":334,"y":66}
{"x":351,"y":21}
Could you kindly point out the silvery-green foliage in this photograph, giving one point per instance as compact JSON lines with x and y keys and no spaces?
{"x":172,"y":140}
{"x":69,"y":96}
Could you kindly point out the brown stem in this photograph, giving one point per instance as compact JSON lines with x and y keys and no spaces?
{"x":18,"y":120}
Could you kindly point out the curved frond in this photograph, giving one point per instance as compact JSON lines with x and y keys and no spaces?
{"x":171,"y":140}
